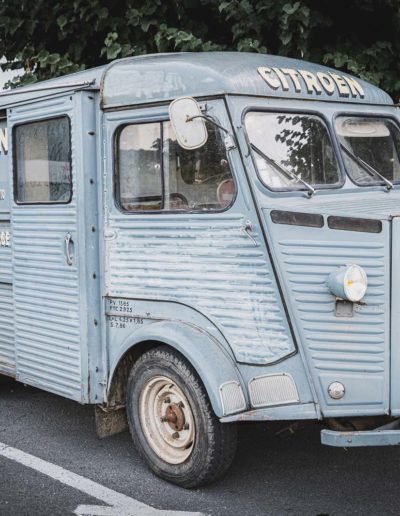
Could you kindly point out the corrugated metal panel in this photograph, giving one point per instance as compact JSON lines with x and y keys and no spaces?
{"x":7,"y":348}
{"x":209,"y":263}
{"x":338,"y":343}
{"x":354,"y":350}
{"x":46,"y":289}
{"x":46,"y":299}
{"x":5,"y":254}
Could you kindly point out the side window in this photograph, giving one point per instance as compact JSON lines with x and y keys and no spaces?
{"x":42,"y":162}
{"x":155,"y":173}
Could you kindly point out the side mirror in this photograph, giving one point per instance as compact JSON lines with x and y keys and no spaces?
{"x":188,"y":123}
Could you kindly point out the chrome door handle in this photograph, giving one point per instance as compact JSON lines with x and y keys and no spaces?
{"x":68,"y":241}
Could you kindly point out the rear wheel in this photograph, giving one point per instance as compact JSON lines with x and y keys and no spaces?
{"x":172,"y":422}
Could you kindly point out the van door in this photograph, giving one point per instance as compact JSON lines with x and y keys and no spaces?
{"x":178,"y":230}
{"x":49,"y":245}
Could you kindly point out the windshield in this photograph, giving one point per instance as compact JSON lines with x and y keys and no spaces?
{"x":292,"y":151}
{"x":369,"y":143}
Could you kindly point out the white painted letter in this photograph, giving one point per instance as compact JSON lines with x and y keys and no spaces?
{"x":265,"y":74}
{"x":294,"y":76}
{"x":285,"y":85}
{"x":355,"y":87}
{"x":327,"y":82}
{"x":311,"y":82}
{"x":341,"y":85}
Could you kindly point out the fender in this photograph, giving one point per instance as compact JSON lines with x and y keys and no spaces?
{"x":206,"y":355}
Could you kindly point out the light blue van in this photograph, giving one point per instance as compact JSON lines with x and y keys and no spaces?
{"x":192,"y":240}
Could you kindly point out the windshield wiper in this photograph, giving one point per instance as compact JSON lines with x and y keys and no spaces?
{"x":283,"y":170}
{"x":366,"y":166}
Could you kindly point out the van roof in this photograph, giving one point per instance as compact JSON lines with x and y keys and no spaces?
{"x":163,"y":77}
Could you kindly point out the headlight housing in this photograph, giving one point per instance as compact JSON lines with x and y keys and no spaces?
{"x":349,"y":283}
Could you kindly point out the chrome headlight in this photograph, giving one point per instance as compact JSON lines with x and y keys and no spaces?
{"x":349,"y":283}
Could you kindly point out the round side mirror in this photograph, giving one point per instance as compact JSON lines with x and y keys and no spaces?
{"x":187,"y":123}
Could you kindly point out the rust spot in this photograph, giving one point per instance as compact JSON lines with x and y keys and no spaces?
{"x":175,"y":417}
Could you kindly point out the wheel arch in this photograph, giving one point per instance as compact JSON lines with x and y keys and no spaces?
{"x":209,"y":359}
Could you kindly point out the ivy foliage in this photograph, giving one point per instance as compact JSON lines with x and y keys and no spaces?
{"x":48,"y":38}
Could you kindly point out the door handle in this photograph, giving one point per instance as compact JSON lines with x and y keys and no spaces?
{"x":247,"y":229}
{"x":68,"y":243}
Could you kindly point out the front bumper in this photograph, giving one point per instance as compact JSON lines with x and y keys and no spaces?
{"x":386,"y":435}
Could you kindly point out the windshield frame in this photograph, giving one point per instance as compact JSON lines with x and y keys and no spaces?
{"x":327,"y":121}
{"x":363,"y":114}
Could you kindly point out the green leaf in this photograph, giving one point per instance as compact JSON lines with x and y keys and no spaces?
{"x":291,"y":8}
{"x":53,"y":59}
{"x":113,"y":50}
{"x":62,"y":21}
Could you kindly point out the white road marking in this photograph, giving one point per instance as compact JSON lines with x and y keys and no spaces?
{"x":118,"y":504}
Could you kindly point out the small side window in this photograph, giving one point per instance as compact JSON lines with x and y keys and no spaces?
{"x":139,"y":163}
{"x":42,"y":162}
{"x":155,"y":173}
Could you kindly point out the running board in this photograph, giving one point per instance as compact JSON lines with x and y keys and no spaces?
{"x":386,"y":435}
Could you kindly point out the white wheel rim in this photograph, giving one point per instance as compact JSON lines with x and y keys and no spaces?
{"x":167,"y":420}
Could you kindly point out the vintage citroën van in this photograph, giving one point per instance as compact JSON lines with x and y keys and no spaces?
{"x":195,"y":240}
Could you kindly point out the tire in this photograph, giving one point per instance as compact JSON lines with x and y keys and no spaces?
{"x":172,"y":423}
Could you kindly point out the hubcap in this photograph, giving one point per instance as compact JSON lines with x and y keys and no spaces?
{"x":167,"y":420}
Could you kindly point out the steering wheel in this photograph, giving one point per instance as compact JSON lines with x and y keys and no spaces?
{"x":179,"y":198}
{"x":226,"y":191}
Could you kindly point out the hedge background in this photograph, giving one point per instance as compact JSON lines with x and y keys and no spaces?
{"x":50,"y":38}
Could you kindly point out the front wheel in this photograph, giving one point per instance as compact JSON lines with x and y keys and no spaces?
{"x":172,"y":422}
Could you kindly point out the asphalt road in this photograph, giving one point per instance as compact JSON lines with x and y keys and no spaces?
{"x":274,"y":472}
